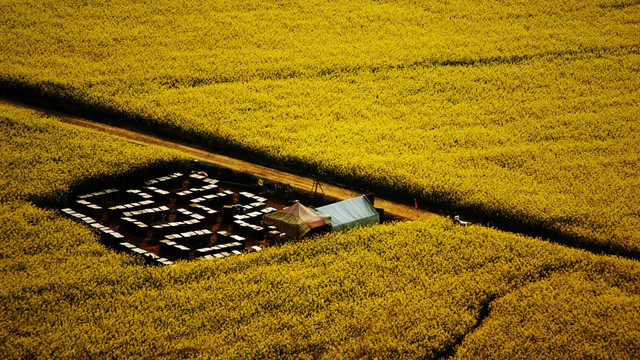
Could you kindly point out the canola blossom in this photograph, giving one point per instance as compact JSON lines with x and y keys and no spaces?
{"x":523,"y":113}
{"x":422,"y":289}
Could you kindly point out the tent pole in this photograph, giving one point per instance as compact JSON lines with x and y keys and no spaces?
{"x":316,"y":185}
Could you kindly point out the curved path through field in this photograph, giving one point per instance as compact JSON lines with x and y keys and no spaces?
{"x":304,"y":183}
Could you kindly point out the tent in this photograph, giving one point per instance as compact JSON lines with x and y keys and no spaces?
{"x":351,"y":212}
{"x":296,"y":220}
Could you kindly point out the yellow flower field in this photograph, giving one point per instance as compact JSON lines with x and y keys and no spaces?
{"x":517,"y":112}
{"x":424,"y":289}
{"x":522,"y":113}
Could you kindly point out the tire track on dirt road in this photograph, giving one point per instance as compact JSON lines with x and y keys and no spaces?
{"x":300,"y":182}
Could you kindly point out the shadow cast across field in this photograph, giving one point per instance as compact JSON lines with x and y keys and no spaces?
{"x":56,"y":100}
{"x":619,"y":4}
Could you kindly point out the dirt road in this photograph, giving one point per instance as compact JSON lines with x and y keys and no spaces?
{"x":304,"y":183}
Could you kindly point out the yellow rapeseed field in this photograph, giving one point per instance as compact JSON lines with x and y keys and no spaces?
{"x":424,"y":289}
{"x":517,"y":326}
{"x":521,"y":112}
{"x":43,"y":161}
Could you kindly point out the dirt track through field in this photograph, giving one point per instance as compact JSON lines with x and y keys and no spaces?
{"x":304,"y":183}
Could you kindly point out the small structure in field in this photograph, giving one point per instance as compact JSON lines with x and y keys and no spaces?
{"x":297,"y":220}
{"x":183,"y":217}
{"x":350,"y":213}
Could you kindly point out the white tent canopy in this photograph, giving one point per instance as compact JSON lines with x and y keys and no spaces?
{"x":349,"y":213}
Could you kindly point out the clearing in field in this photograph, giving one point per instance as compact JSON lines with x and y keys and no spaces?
{"x":183,"y":217}
{"x":524,"y":114}
{"x":422,"y":289}
{"x":521,"y":113}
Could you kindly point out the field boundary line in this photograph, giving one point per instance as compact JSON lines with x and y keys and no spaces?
{"x":297,"y":181}
{"x":306,"y":183}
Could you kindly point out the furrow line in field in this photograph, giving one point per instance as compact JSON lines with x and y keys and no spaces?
{"x":335,"y":70}
{"x":483,"y":313}
{"x":450,"y":351}
{"x":286,"y":74}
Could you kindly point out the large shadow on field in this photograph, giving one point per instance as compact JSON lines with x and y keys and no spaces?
{"x":57,"y":97}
